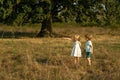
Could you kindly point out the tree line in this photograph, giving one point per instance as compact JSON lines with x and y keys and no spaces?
{"x":46,"y":12}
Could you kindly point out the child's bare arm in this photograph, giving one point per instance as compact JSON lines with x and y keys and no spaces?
{"x":91,"y":49}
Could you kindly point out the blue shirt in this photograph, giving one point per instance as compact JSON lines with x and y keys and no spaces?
{"x":88,"y":46}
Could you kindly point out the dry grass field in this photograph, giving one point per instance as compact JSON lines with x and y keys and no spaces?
{"x":24,"y":57}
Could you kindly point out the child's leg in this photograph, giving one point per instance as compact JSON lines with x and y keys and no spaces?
{"x":88,"y":54}
{"x":78,"y":60}
{"x":75,"y":60}
{"x":89,"y":61}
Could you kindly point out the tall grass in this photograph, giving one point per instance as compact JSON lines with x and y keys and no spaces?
{"x":49,"y":58}
{"x":43,"y":59}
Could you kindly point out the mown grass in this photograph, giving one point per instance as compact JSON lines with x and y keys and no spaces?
{"x":49,"y":58}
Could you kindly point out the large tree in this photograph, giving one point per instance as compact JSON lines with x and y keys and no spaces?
{"x":84,"y":12}
{"x":20,"y":12}
{"x":56,"y":10}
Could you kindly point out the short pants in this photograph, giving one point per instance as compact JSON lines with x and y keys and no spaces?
{"x":88,"y":54}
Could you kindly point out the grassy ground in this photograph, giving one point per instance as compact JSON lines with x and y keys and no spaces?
{"x":49,"y":58}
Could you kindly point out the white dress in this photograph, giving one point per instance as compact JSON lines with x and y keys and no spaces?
{"x":76,"y":51}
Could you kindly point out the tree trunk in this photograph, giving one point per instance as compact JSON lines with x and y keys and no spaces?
{"x":46,"y":29}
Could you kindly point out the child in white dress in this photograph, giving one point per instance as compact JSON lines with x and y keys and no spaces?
{"x":76,"y":51}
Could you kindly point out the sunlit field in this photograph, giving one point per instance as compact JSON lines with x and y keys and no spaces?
{"x":25,"y":57}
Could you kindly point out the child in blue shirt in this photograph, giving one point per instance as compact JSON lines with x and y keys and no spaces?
{"x":88,"y":48}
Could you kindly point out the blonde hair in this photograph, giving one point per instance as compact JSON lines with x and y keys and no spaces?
{"x":77,"y":37}
{"x":88,"y":36}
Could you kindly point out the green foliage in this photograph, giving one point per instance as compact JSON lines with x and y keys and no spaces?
{"x":5,"y":9}
{"x":113,"y":14}
{"x":84,"y":12}
{"x":19,"y":20}
{"x":39,"y":16}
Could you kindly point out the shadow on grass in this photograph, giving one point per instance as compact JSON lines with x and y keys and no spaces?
{"x":9,"y":34}
{"x":18,"y":34}
{"x":42,"y":60}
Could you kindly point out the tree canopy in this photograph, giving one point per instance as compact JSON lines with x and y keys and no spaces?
{"x":86,"y":12}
